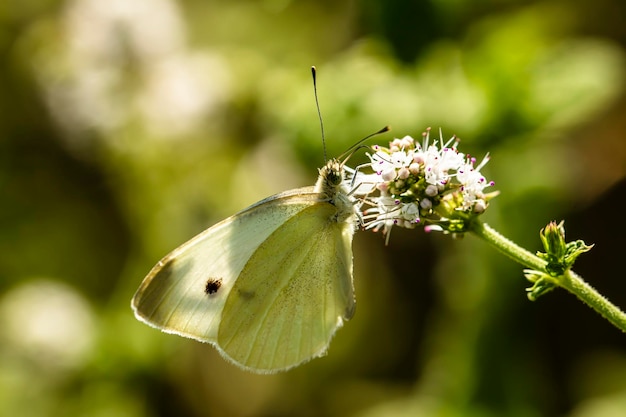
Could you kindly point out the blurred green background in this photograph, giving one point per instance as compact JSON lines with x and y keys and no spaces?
{"x":128,"y":126}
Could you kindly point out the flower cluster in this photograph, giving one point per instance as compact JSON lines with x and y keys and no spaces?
{"x":431,"y":184}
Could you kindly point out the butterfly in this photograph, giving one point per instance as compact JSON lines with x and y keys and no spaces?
{"x":268,"y":286}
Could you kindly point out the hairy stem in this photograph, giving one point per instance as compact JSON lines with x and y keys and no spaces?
{"x":570,"y":281}
{"x":506,"y":246}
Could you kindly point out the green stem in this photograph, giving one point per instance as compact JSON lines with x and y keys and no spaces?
{"x":569,"y":281}
{"x":574,"y":283}
{"x":509,"y":248}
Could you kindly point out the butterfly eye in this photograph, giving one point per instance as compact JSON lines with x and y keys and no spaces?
{"x":334,"y":173}
{"x":334,"y":177}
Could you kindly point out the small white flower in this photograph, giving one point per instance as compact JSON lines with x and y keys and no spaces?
{"x":428,"y":183}
{"x":431,"y":190}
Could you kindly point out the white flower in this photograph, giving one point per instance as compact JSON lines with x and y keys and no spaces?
{"x":428,"y":183}
{"x":473,"y":184}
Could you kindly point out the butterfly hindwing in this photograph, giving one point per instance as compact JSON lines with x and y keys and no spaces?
{"x":298,"y":283}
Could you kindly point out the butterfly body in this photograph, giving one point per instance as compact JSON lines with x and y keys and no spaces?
{"x":268,"y":286}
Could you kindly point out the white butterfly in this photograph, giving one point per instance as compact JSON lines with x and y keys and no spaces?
{"x":269,"y":286}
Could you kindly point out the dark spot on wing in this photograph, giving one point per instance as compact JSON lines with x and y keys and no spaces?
{"x":246,"y":295}
{"x":212,"y":285}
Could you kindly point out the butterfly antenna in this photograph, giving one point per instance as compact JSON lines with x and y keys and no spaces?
{"x":319,"y":113}
{"x":352,"y":149}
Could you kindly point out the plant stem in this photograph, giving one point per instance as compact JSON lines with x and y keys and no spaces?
{"x":574,"y":283}
{"x":506,"y":246}
{"x":570,"y":281}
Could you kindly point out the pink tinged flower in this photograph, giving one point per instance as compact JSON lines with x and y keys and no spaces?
{"x":480,"y":206}
{"x":418,"y":158}
{"x":433,"y":228}
{"x":388,"y":175}
{"x":431,"y":190}
{"x":407,"y":142}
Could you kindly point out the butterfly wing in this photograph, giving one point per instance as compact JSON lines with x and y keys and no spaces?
{"x":229,"y":276}
{"x":292,"y":295}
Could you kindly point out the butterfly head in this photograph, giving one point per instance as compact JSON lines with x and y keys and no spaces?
{"x":330,"y":179}
{"x":330,"y":187}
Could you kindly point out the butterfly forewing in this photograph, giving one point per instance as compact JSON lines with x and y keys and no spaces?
{"x":299,"y":286}
{"x":173,"y":296}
